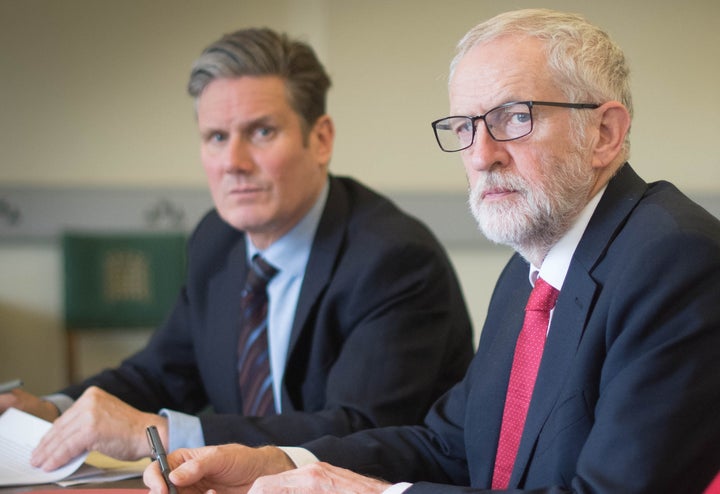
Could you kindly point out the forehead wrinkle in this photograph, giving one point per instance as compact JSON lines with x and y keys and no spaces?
{"x":497,"y":72}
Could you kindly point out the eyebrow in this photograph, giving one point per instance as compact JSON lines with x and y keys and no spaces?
{"x":249,"y":124}
{"x":492,"y":106}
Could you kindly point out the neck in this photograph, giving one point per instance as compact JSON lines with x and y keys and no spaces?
{"x":535,"y":255}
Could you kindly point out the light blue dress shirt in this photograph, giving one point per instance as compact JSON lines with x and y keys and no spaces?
{"x":289,"y":254}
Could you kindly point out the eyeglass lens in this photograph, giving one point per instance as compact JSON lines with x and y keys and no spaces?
{"x":504,"y":123}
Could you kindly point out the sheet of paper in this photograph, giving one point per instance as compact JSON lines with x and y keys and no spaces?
{"x":20,"y":433}
{"x":99,"y":468}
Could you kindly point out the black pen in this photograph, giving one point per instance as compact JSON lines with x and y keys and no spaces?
{"x":158,"y":453}
{"x":10,"y":385}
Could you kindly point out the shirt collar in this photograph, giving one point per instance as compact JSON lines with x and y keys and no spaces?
{"x":290,"y":252}
{"x":557,"y":262}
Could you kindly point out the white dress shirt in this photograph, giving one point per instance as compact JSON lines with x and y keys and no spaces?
{"x":553,"y":270}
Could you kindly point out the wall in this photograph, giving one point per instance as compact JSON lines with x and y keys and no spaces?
{"x":92,"y":94}
{"x":93,"y":91}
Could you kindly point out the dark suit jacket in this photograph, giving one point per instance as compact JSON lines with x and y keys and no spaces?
{"x":628,"y":393}
{"x":380,"y":331}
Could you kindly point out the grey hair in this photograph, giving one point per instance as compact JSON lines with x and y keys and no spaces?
{"x":263,"y":52}
{"x":584,"y":62}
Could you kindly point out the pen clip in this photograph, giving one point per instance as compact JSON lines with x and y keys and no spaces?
{"x":151,"y":441}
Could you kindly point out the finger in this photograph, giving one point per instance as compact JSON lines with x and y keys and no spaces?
{"x":188,"y":473}
{"x":153,"y":479}
{"x":64,"y":441}
{"x":52,"y":459}
{"x":17,"y":398}
{"x":7,"y":400}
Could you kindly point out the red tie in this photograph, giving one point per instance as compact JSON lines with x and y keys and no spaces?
{"x":528,"y":352}
{"x":714,"y":487}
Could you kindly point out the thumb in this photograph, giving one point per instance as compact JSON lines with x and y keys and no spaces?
{"x":188,"y":473}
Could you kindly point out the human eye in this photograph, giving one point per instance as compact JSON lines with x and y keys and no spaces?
{"x":262,"y":133}
{"x":461,"y":126}
{"x":509,"y":120}
{"x":519,"y":117}
{"x":214,"y":137}
{"x":518,"y":114}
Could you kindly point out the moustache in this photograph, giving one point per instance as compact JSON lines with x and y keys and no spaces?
{"x":496,"y":183}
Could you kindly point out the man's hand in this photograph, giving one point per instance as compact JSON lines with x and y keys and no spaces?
{"x":218,"y":469}
{"x":98,"y":421}
{"x":318,"y":478}
{"x":29,"y":403}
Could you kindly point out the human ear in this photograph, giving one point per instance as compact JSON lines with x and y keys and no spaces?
{"x":322,"y":138}
{"x":613,"y":125}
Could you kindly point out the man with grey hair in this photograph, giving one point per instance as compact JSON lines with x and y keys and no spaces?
{"x":597,"y":369}
{"x":352,"y":316}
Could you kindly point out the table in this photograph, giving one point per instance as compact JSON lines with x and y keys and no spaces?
{"x":135,"y":483}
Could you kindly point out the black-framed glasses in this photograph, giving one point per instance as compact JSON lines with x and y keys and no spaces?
{"x":506,"y":122}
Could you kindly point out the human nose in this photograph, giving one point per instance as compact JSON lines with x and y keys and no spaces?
{"x":237,"y":156}
{"x":485,"y":152}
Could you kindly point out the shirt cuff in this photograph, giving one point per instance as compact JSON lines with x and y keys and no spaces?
{"x":300,"y":456}
{"x":184,"y":431}
{"x":397,"y":488}
{"x":62,"y":402}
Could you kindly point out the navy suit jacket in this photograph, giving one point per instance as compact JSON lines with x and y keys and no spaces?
{"x":380,"y":332}
{"x":627,"y":398}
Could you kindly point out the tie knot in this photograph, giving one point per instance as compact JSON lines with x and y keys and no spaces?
{"x":542,"y":297}
{"x":263,"y":268}
{"x":260,"y":273}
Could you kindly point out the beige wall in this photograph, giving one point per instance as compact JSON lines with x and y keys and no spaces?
{"x":92,"y":92}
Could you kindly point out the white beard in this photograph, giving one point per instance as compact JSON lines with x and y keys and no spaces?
{"x":537,"y":215}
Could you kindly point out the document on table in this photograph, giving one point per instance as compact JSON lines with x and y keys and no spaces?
{"x":99,"y":468}
{"x":21,"y":432}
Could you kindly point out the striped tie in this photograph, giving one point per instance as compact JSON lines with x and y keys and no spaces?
{"x":254,"y":374}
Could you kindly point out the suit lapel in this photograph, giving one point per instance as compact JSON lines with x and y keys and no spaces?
{"x":575,"y":305}
{"x":494,"y":361}
{"x":224,"y":323}
{"x":321,"y":263}
{"x":566,"y":329}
